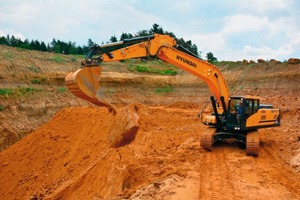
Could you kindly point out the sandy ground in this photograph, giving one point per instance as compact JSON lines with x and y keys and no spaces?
{"x":70,"y":158}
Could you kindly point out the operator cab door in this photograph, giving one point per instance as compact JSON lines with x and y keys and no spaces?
{"x":239,"y":111}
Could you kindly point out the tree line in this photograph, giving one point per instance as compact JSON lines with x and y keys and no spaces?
{"x":59,"y":46}
{"x":56,"y":46}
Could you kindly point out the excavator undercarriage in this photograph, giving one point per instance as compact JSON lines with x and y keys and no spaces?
{"x":249,"y":140}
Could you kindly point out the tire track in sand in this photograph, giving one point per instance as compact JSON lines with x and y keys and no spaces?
{"x":215,"y":176}
{"x":228,"y":173}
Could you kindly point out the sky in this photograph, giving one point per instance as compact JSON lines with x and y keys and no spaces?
{"x":231,"y":29}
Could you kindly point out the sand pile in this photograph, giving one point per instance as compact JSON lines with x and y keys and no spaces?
{"x":71,"y":156}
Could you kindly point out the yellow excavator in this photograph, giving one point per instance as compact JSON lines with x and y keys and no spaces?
{"x":231,"y":117}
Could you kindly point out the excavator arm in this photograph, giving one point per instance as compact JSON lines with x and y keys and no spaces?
{"x":165,"y":48}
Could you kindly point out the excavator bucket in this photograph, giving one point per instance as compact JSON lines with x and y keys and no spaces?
{"x":84,"y":83}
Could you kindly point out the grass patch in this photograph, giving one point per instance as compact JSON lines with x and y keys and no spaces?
{"x":9,"y":92}
{"x":6,"y":91}
{"x":61,"y":89}
{"x":38,"y":81}
{"x":58,"y":58}
{"x":27,"y":90}
{"x":146,"y":69}
{"x":166,"y":89}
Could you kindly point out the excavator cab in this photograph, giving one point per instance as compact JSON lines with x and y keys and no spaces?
{"x":246,"y":114}
{"x":240,"y":109}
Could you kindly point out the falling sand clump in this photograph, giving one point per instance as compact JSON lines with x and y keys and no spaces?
{"x":125,"y":126}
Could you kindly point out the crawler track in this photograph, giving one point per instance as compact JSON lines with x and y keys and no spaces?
{"x":207,"y":138}
{"x":252,"y":143}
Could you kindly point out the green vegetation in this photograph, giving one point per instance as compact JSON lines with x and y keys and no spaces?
{"x":58,"y":58}
{"x":61,"y":89}
{"x":210,"y":58}
{"x":38,"y":81}
{"x":146,"y":69}
{"x":27,"y":90}
{"x":166,"y":89}
{"x":8,"y":92}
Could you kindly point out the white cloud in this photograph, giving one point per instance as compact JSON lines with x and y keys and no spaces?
{"x":270,"y":38}
{"x":264,"y":52}
{"x":10,"y":32}
{"x":239,"y":23}
{"x":213,"y":42}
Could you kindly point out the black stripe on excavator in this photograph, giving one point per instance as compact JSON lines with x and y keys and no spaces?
{"x":138,"y":39}
{"x":96,"y":49}
{"x":213,"y":102}
{"x":267,"y":121}
{"x":110,"y":55}
{"x":91,"y":52}
{"x":185,"y":50}
{"x":224,"y":105}
{"x":99,"y":50}
{"x":261,"y":126}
